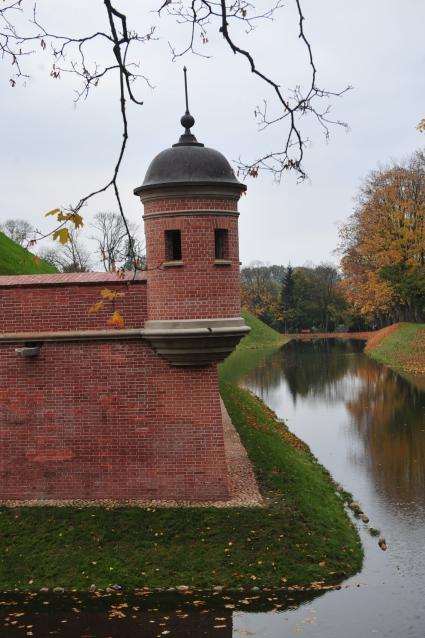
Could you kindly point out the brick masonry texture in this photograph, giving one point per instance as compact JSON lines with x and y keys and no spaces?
{"x":200,"y":289}
{"x":108,"y":420}
{"x":190,"y":203}
{"x":46,"y":307}
{"x":111,"y":419}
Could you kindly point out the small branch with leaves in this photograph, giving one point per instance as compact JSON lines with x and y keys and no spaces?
{"x":108,"y":302}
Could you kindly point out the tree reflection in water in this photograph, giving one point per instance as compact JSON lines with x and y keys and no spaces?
{"x":389,"y":413}
{"x":386,"y":410}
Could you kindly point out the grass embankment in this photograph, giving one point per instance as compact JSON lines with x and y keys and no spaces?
{"x":301,"y":536}
{"x":261,"y":335}
{"x":400,"y":346}
{"x":16,"y":260}
{"x":261,"y":341}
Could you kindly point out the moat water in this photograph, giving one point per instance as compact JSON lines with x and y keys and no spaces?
{"x":366,"y":424}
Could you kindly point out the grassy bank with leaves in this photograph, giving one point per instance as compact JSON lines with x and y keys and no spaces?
{"x":301,"y":536}
{"x":16,"y":260}
{"x":400,"y":346}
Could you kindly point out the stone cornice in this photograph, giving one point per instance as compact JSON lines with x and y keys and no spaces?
{"x":203,"y":190}
{"x":190,"y":213}
{"x":197,"y":342}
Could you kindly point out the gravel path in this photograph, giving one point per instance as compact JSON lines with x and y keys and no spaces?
{"x":242,"y":482}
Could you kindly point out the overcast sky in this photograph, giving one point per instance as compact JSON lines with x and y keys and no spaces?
{"x":52,"y":152}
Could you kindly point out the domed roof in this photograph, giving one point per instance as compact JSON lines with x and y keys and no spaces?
{"x":189,"y":163}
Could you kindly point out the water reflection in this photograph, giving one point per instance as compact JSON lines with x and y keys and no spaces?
{"x":309,"y":368}
{"x":366,"y":424}
{"x":384,"y":409}
{"x":389,"y":414}
{"x":148,"y":614}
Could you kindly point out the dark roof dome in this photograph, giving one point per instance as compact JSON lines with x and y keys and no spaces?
{"x":189,"y":163}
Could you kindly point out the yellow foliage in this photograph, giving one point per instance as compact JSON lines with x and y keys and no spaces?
{"x":387,"y":230}
{"x":111,"y":295}
{"x":116,"y":320}
{"x":74,"y":218}
{"x":62,"y":235}
{"x":96,"y":307}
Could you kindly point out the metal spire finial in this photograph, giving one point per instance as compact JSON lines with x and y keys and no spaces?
{"x":187,"y":121}
{"x":185,"y":88}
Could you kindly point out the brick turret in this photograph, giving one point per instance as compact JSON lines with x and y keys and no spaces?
{"x":190,"y":196}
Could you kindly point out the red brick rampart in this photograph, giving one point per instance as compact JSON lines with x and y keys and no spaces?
{"x":43,"y":303}
{"x":108,"y":420}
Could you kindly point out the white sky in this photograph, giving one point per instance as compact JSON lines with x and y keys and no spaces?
{"x":53,"y":153}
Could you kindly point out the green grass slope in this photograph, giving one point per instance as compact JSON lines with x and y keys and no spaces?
{"x":401,"y":346}
{"x":15,"y":260}
{"x":261,"y":341}
{"x":261,"y":335}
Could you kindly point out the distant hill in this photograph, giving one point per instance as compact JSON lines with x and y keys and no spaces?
{"x":15,"y":260}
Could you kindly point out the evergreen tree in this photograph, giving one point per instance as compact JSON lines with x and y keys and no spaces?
{"x":287,"y":298}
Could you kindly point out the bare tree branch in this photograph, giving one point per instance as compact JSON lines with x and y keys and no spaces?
{"x":71,"y":54}
{"x":15,"y":46}
{"x":200,"y":14}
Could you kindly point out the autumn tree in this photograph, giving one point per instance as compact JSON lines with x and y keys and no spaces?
{"x":383,"y":244}
{"x":292,"y":299}
{"x":326,"y":292}
{"x":260,"y":290}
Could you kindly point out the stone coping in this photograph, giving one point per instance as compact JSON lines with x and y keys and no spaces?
{"x":73,"y":279}
{"x":183,"y":328}
{"x":71,"y":335}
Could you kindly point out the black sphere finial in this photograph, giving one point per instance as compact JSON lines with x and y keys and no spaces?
{"x":187,"y":121}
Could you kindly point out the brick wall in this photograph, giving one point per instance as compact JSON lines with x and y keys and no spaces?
{"x":108,"y":420}
{"x":43,"y":307}
{"x":111,"y":419}
{"x":200,"y":289}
